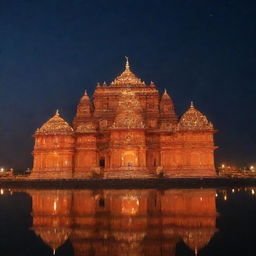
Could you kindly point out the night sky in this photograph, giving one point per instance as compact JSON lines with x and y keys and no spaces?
{"x":52,"y":50}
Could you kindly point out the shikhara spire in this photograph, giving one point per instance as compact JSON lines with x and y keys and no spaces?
{"x":127,"y":65}
{"x":128,"y":78}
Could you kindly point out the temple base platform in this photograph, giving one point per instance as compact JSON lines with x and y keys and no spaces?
{"x":129,"y":173}
{"x":189,"y":173}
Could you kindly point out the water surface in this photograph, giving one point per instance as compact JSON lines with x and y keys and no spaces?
{"x":128,"y":222}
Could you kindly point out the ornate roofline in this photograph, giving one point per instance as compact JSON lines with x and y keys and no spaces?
{"x":56,"y":125}
{"x":127,"y":78}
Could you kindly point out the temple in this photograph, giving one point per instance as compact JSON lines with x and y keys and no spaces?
{"x":127,"y":130}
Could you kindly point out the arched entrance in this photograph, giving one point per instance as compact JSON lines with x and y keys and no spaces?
{"x":129,"y":159}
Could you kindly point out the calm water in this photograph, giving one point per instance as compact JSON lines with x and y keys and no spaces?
{"x":128,"y":222}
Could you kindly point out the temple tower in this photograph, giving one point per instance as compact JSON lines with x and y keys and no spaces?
{"x":197,"y":135}
{"x":167,"y":112}
{"x":127,"y":139}
{"x":54,"y":149}
{"x":84,"y":111}
{"x":191,"y":150}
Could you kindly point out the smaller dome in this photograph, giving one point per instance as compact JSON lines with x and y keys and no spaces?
{"x":86,"y":127}
{"x":193,"y":120}
{"x":55,"y":125}
{"x":198,"y":238}
{"x":53,"y":237}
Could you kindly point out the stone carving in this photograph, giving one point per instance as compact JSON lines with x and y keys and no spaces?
{"x":86,"y":127}
{"x":128,"y":112}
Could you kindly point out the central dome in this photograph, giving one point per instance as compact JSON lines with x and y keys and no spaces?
{"x":128,"y":78}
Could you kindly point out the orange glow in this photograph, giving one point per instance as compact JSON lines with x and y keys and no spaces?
{"x":128,"y":131}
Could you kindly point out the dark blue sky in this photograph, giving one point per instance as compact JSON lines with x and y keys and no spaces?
{"x":205,"y":51}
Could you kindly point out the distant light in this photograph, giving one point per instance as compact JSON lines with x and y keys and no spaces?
{"x":216,"y":195}
{"x":2,"y":169}
{"x":253,"y":192}
{"x":223,"y":166}
{"x":252,"y":168}
{"x":201,"y":199}
{"x":55,"y":205}
{"x":233,"y":190}
{"x":1,"y":191}
{"x":225,"y":197}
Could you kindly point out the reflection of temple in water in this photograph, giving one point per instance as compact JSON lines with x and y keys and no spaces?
{"x":124,"y":222}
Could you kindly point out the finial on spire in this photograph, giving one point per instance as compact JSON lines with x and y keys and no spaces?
{"x":196,"y":252}
{"x":85,"y":93}
{"x":57,"y":112}
{"x":191,"y":104}
{"x":165,"y":92}
{"x":127,"y":66}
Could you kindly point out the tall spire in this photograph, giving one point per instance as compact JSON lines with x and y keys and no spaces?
{"x":127,"y":65}
{"x":127,"y":78}
{"x":57,"y":113}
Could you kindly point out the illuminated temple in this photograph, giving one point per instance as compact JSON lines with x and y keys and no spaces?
{"x":127,"y":130}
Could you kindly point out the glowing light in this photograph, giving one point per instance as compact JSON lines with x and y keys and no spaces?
{"x":216,"y":195}
{"x":223,"y":166}
{"x":252,"y":168}
{"x":2,"y":169}
{"x":233,"y":190}
{"x":225,"y":197}
{"x":1,"y":191}
{"x":54,"y":205}
{"x":201,"y":199}
{"x":253,"y":192}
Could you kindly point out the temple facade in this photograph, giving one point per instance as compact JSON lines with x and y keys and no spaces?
{"x":127,"y":130}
